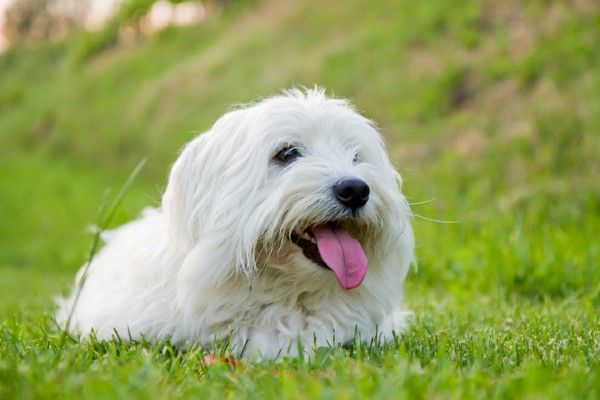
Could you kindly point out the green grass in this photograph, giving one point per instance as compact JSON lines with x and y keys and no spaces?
{"x":491,"y":112}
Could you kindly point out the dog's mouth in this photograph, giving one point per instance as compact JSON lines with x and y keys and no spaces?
{"x":331,"y":246}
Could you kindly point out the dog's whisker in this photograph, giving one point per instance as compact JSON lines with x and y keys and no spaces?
{"x":422,"y":202}
{"x":436,"y":220}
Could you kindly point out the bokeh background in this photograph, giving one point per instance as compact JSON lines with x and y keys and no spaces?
{"x":490,"y":109}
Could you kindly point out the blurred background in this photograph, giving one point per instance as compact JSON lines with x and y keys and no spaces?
{"x":491,"y":111}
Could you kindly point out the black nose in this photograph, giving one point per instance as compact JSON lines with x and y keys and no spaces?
{"x":353,"y":193}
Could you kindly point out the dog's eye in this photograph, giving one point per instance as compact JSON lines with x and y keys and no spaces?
{"x":287,"y":155}
{"x":355,"y":159}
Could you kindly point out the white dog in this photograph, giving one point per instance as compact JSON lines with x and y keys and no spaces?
{"x":283,"y":222}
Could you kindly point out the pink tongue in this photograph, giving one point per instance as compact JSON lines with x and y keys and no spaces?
{"x":343,"y":255}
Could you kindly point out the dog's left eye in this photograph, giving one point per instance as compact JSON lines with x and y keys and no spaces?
{"x":287,"y":155}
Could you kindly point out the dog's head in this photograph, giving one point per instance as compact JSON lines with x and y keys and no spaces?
{"x":297,"y":182}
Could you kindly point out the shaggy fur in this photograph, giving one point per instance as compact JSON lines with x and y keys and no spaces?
{"x":219,"y":259}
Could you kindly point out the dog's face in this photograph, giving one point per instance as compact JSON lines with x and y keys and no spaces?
{"x":298,"y":183}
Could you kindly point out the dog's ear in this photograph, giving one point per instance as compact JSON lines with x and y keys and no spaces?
{"x":177,"y":202}
{"x":203,"y":200}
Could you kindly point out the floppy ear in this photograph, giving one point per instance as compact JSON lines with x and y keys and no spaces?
{"x":178,"y":199}
{"x":212,"y":203}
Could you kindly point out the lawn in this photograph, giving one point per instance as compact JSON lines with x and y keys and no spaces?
{"x":491,"y":112}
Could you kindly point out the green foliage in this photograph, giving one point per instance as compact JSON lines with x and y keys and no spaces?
{"x":491,"y":112}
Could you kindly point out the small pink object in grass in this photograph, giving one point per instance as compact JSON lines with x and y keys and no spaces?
{"x":211,"y":359}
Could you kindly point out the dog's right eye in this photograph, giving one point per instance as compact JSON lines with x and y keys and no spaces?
{"x":287,"y":155}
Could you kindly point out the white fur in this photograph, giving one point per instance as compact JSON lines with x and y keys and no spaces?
{"x":216,"y":260}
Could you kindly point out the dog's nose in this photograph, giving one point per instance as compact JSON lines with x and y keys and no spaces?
{"x":353,"y":193}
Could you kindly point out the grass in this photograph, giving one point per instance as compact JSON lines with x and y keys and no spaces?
{"x":512,"y":353}
{"x":491,"y":112}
